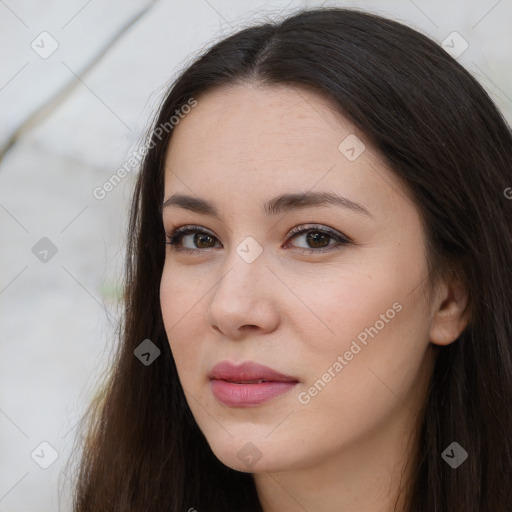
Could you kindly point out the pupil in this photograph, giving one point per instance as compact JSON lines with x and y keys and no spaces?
{"x":315,"y":238}
{"x":199,"y":238}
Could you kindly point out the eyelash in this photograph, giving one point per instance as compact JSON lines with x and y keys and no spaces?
{"x":176,"y":237}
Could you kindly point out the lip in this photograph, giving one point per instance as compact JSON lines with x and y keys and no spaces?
{"x":234,"y":386}
{"x":225,"y":370}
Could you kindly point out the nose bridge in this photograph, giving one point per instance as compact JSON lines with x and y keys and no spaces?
{"x":241,"y":296}
{"x":245,"y":266}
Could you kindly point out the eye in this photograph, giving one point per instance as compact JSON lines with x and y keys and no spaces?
{"x":202,"y":238}
{"x":316,"y":237}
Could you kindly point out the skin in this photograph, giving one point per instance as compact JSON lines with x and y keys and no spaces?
{"x":296,"y":310}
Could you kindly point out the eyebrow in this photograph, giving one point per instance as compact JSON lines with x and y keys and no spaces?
{"x":280,"y":204}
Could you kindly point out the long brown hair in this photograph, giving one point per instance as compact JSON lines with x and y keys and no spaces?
{"x":441,"y":134}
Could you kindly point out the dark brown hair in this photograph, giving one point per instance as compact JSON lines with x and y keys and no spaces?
{"x":444,"y":138}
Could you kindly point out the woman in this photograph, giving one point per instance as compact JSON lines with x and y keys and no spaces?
{"x":318,"y":285}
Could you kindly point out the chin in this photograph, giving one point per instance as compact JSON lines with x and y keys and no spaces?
{"x":254,"y":456}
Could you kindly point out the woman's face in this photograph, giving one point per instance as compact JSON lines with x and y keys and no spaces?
{"x":339,"y":309}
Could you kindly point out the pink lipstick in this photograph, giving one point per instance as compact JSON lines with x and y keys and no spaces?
{"x":248,"y":384}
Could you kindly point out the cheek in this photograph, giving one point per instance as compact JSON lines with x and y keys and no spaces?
{"x":180,"y":306}
{"x":372,"y":298}
{"x":380,"y":330}
{"x":168,"y":303}
{"x":339,"y":304}
{"x":374,"y":317}
{"x":181,"y":296}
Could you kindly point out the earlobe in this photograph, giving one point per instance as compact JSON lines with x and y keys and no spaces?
{"x":451,"y":315}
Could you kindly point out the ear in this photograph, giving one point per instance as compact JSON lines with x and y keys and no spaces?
{"x":450,"y":312}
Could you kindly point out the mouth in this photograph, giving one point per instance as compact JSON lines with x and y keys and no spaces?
{"x":249,"y":384}
{"x":248,"y":381}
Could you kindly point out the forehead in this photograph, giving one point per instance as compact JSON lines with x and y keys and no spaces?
{"x":260,"y":122}
{"x":269,"y":140}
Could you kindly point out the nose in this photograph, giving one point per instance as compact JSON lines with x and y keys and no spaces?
{"x":244,"y":300}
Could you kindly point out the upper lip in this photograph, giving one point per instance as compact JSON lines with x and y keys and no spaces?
{"x":248,"y":371}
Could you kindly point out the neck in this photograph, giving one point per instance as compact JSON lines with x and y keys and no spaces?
{"x":372,"y":476}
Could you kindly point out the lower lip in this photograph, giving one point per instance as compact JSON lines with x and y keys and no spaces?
{"x":248,"y":395}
